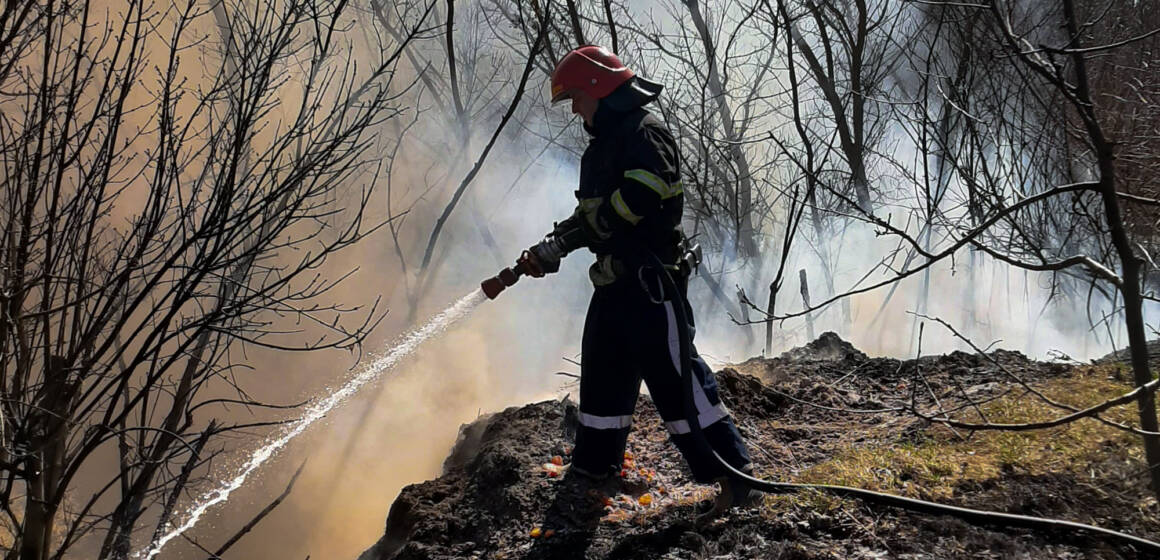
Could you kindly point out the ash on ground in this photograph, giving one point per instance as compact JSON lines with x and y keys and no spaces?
{"x":500,"y":495}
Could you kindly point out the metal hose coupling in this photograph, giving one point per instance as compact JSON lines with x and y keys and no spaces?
{"x":550,"y":249}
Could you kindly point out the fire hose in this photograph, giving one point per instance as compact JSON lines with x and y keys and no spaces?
{"x":973,"y":516}
{"x":509,"y":276}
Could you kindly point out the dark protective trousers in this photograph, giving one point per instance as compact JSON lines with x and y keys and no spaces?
{"x":630,"y":335}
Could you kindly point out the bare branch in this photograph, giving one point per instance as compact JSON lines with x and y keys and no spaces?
{"x":258,"y":518}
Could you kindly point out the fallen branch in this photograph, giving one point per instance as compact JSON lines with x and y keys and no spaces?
{"x":1137,"y":198}
{"x":1076,"y":413}
{"x":835,"y":409}
{"x":1090,"y":412}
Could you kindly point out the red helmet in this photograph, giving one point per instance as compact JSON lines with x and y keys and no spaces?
{"x":591,"y":69}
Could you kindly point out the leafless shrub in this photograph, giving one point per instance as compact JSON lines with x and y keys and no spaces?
{"x":174,"y":178}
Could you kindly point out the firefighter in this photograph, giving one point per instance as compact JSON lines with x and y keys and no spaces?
{"x":630,"y":201}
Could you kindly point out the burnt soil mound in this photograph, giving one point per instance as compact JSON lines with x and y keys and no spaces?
{"x":820,"y":413}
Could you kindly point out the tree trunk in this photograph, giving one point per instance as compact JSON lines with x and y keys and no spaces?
{"x":806,"y":304}
{"x":1133,"y":316}
{"x":49,"y":431}
{"x":924,"y":289}
{"x":769,"y":322}
{"x":827,"y":261}
{"x":972,"y":293}
{"x":37,"y":531}
{"x":742,"y":303}
{"x":1129,"y":262}
{"x":742,"y":204}
{"x":574,"y":17}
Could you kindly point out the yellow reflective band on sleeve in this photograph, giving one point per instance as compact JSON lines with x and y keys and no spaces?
{"x":649,"y":180}
{"x":622,"y":209}
{"x":587,"y":209}
{"x":589,"y":205}
{"x":652,"y":181}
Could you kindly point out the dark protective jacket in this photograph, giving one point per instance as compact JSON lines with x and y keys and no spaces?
{"x":630,"y":197}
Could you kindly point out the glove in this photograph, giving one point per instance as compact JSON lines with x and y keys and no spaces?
{"x":571,"y":234}
{"x":542,"y":258}
{"x":530,"y":264}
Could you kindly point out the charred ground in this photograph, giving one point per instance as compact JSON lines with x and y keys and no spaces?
{"x":498,"y":498}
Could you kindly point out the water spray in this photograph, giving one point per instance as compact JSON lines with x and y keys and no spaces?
{"x":370,"y":373}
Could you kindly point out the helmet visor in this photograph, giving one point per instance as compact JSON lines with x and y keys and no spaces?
{"x":560,"y":93}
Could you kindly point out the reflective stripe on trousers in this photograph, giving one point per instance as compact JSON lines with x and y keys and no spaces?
{"x":605,"y":422}
{"x":706,"y":413}
{"x":630,"y":337}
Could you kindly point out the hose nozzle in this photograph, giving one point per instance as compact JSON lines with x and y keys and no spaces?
{"x":498,"y":283}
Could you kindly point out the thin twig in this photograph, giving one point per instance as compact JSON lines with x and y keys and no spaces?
{"x":929,"y":389}
{"x":1092,"y":412}
{"x":258,"y":518}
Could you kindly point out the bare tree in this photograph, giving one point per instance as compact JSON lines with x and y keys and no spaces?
{"x":1031,"y":150}
{"x":467,"y":86}
{"x":734,"y":168}
{"x":167,"y":203}
{"x":1070,"y":78}
{"x":846,"y":52}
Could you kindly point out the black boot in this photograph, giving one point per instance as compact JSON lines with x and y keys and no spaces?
{"x":735,"y":493}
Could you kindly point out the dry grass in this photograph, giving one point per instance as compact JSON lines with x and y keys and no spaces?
{"x":937,"y":462}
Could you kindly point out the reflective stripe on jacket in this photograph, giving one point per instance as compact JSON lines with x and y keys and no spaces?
{"x":630,"y":191}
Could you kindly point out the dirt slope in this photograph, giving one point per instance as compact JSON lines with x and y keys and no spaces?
{"x":1123,"y":356}
{"x":498,"y":498}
